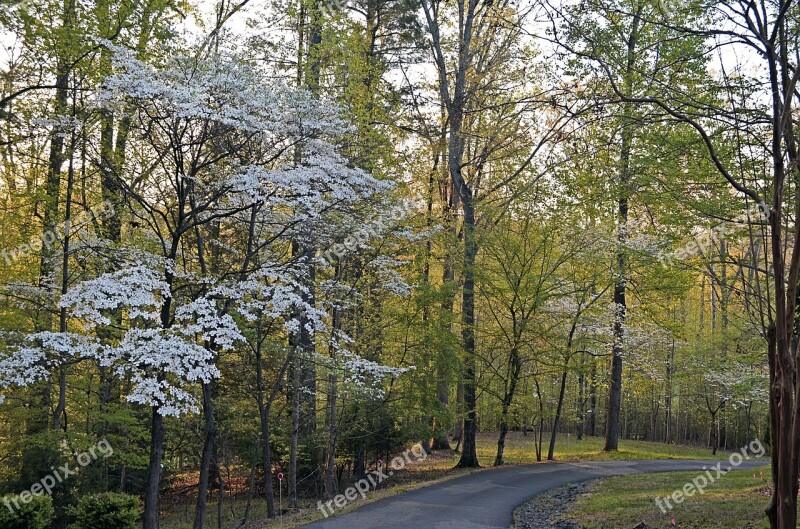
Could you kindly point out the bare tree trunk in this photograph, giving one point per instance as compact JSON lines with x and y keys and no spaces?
{"x":553,"y":434}
{"x":621,"y":266}
{"x":330,"y":459}
{"x":292,"y":493}
{"x":540,"y":430}
{"x":508,"y":398}
{"x":668,"y":396}
{"x":469,"y":453}
{"x":154,"y":470}
{"x":593,"y":400}
{"x":458,"y":431}
{"x":581,"y":398}
{"x":208,"y":454}
{"x":440,"y":441}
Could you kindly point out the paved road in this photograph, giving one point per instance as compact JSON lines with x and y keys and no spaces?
{"x":487,"y":499}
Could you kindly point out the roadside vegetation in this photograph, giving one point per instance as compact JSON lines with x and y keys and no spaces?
{"x":736,"y":500}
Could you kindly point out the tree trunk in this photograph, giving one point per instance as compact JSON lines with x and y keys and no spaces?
{"x":540,"y":430}
{"x":613,"y":411}
{"x":330,"y":459}
{"x":208,"y":454}
{"x":150,"y":520}
{"x":621,"y":266}
{"x":593,"y":400}
{"x":267,"y":461}
{"x":469,"y":454}
{"x":508,"y":398}
{"x":458,"y":430}
{"x":553,"y":434}
{"x":668,"y":396}
{"x":292,"y":493}
{"x":440,"y":441}
{"x":264,"y":408}
{"x":581,"y":404}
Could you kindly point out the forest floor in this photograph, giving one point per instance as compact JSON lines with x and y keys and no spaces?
{"x":520,"y":449}
{"x":735,"y":502}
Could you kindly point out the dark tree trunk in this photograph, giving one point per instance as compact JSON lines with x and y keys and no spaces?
{"x":593,"y":400}
{"x":614,"y":409}
{"x":330,"y":456}
{"x":292,"y":493}
{"x":516,"y":367}
{"x":206,"y":460}
{"x":668,"y":396}
{"x":469,"y":454}
{"x":458,"y":431}
{"x":440,"y":441}
{"x":553,"y":434}
{"x":269,"y":490}
{"x":581,"y":399}
{"x":150,"y":520}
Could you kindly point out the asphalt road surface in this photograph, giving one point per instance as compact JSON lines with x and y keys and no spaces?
{"x":487,"y":499}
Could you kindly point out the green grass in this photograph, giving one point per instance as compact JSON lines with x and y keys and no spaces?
{"x":735,"y":500}
{"x":521,"y":449}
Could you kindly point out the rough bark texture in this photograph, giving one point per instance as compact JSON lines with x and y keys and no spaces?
{"x":150,"y":520}
{"x":557,"y":419}
{"x":515,"y":362}
{"x":205,"y":461}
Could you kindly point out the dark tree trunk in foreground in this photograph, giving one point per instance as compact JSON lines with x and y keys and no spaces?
{"x":208,"y":454}
{"x":614,"y":409}
{"x":469,"y":454}
{"x":455,"y":102}
{"x":508,"y":398}
{"x":557,"y":418}
{"x":150,"y":520}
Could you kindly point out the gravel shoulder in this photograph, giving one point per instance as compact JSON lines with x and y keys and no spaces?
{"x":546,"y":511}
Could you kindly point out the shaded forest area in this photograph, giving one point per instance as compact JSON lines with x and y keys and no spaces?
{"x":241,"y":238}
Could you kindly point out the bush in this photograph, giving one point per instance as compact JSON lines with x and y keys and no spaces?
{"x":108,"y":510}
{"x":36,"y":514}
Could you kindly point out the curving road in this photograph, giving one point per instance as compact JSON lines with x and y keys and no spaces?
{"x":487,"y":499}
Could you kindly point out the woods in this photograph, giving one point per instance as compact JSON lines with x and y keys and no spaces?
{"x":240,"y":239}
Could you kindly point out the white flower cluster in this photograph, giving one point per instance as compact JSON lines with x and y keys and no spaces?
{"x":139,"y":289}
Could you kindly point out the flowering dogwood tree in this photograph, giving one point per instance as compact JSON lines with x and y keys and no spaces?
{"x":215,"y":194}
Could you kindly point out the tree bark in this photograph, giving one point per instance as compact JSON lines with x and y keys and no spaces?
{"x":469,"y":453}
{"x":557,"y":418}
{"x":621,"y":266}
{"x":516,"y":367}
{"x":150,"y":520}
{"x":206,"y":458}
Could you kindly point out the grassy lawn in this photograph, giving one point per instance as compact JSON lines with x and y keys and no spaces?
{"x":520,"y":449}
{"x":735,"y":500}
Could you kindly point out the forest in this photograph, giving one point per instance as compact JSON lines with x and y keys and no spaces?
{"x":242,"y":239}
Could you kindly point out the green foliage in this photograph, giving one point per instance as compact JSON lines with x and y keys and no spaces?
{"x":108,"y":510}
{"x":35,"y":514}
